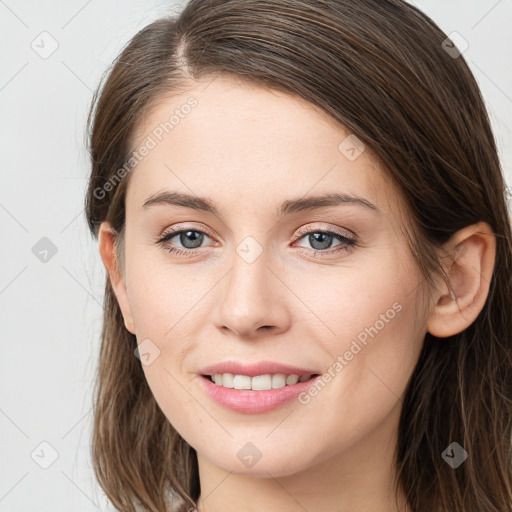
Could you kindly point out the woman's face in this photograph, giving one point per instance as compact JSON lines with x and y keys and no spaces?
{"x":261,"y":277}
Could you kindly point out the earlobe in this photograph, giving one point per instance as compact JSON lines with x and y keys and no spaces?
{"x":472,"y":252}
{"x":107,"y":253}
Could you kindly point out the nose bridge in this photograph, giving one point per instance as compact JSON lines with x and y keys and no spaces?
{"x":250,"y":298}
{"x":247,"y":282}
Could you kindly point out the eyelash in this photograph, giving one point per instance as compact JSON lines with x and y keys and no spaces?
{"x":346,"y":243}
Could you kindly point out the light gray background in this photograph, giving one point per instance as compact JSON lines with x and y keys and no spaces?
{"x":51,"y":311}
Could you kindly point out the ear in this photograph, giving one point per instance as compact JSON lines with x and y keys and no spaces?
{"x":107,"y":252}
{"x":472,"y":252}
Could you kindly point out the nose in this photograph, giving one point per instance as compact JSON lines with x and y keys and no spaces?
{"x":253,"y":298}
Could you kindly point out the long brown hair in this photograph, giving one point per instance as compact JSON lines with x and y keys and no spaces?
{"x":382,"y":69}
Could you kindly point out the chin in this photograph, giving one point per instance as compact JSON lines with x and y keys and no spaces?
{"x":264,"y":467}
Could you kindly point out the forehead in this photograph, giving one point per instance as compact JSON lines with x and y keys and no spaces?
{"x":233,"y":141}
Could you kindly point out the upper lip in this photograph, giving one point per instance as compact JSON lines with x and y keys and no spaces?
{"x":252,"y":369}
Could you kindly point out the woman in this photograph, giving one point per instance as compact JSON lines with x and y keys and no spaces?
{"x":303,"y":218}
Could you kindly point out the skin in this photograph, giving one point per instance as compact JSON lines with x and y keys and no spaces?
{"x":249,"y":149}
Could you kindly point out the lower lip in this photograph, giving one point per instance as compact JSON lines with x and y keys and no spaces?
{"x":252,"y":402}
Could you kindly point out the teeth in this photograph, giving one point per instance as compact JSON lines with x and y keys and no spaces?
{"x":226,"y":380}
{"x":258,"y":382}
{"x":239,"y":381}
{"x":292,"y":379}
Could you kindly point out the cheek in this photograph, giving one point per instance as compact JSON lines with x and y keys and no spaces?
{"x":178,"y":400}
{"x":360,"y":302}
{"x":371,"y":360}
{"x":165,"y":301}
{"x":162,"y":310}
{"x":371,"y":333}
{"x":163,"y":294}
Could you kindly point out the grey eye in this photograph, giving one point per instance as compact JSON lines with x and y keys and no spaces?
{"x":190,"y":239}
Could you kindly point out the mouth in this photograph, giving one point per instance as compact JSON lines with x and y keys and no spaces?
{"x":257,"y":382}
{"x":253,"y":394}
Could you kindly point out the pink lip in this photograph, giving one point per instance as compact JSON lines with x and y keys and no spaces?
{"x":253,"y":402}
{"x":260,"y":368}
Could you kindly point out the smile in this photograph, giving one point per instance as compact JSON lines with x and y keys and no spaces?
{"x":257,"y":382}
{"x":253,"y":395}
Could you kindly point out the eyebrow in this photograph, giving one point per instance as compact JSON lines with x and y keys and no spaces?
{"x":289,"y":206}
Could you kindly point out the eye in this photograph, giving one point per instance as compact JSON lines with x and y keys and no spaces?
{"x":191,"y":239}
{"x":321,"y":240}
